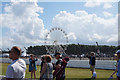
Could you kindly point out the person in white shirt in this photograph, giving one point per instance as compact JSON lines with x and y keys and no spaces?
{"x":16,"y":70}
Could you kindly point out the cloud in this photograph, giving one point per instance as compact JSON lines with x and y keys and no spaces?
{"x":96,"y":36}
{"x":87,"y":28}
{"x":107,"y":6}
{"x":24,"y":0}
{"x":72,"y":36}
{"x":26,"y":28}
{"x":107,"y":14}
{"x":92,"y":3}
{"x":113,"y":38}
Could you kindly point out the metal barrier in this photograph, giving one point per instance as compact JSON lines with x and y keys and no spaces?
{"x":100,"y":64}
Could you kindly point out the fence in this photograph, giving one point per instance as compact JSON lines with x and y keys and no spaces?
{"x":100,"y":64}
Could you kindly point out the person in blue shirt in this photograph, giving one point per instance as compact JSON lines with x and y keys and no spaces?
{"x":92,"y":62}
{"x":118,"y":65}
{"x":116,"y":58}
{"x":32,"y":65}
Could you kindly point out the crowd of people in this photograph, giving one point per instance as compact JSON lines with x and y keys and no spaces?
{"x":49,"y":71}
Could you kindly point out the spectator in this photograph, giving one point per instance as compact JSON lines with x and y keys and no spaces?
{"x":116,"y":58}
{"x":92,"y":62}
{"x":46,"y":73}
{"x":118,"y":65}
{"x":42,"y":62}
{"x":16,"y":70}
{"x":32,"y":65}
{"x":57,"y":67}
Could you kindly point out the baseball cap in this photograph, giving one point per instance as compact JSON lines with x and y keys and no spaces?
{"x":115,"y":54}
{"x":57,"y":53}
{"x":118,"y":52}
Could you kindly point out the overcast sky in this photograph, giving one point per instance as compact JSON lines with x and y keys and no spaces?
{"x":27,"y":23}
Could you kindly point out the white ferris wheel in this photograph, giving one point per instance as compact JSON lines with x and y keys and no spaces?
{"x":56,"y":40}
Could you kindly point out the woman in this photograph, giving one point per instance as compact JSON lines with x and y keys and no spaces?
{"x":42,"y":62}
{"x":46,"y":73}
{"x":32,"y":65}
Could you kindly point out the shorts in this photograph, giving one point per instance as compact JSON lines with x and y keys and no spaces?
{"x":92,"y":67}
{"x":31,"y":69}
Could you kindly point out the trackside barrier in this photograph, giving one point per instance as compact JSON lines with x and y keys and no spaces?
{"x":100,"y":64}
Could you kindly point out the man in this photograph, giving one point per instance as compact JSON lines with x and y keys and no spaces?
{"x":116,"y":58}
{"x":92,"y":62}
{"x":60,"y":75}
{"x":16,"y":70}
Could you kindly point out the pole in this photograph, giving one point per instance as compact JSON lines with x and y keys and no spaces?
{"x":98,"y":51}
{"x":26,"y":52}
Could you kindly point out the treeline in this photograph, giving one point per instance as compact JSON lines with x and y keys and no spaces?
{"x":77,"y":49}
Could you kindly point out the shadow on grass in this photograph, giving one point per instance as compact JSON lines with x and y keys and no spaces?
{"x":88,"y":79}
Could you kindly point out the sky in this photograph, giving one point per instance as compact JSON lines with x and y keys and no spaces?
{"x":26,"y":23}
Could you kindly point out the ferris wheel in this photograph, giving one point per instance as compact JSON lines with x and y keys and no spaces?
{"x":56,"y":40}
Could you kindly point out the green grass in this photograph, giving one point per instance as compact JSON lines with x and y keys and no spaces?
{"x":70,"y":72}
